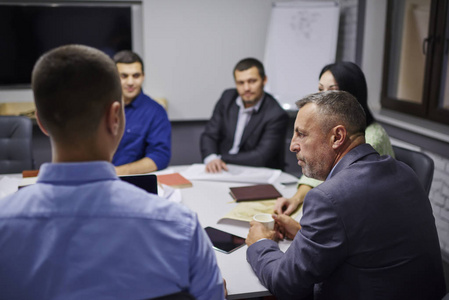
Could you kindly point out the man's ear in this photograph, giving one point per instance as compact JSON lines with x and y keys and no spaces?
{"x":265,"y":80}
{"x":39,"y":123}
{"x":338,"y":137}
{"x":114,"y":118}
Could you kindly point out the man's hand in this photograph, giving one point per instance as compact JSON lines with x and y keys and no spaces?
{"x":287,"y":227}
{"x":225,"y":289}
{"x":285,"y":206}
{"x":216,"y":166}
{"x":258,"y":231}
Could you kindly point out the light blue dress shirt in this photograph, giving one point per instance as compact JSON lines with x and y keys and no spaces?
{"x":81,"y":233}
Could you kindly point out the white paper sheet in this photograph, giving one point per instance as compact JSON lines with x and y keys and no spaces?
{"x":8,"y":185}
{"x":169,"y":193}
{"x":236,"y":173}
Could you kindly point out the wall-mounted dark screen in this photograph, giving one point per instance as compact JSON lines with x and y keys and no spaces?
{"x":27,"y":31}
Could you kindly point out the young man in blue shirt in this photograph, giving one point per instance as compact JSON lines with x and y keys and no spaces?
{"x":80,"y":232}
{"x":146,"y":143}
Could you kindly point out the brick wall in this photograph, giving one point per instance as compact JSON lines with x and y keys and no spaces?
{"x":439,"y":198}
{"x":347,"y":31}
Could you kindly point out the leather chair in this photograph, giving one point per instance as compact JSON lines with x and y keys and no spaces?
{"x":15,"y":144}
{"x":421,"y":163}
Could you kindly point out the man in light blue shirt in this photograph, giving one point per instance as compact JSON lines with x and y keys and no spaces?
{"x":80,"y":232}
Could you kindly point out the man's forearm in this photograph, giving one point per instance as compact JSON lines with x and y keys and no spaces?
{"x":141,"y":166}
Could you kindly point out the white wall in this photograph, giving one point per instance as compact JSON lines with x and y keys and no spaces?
{"x":191,"y":48}
{"x":373,"y":49}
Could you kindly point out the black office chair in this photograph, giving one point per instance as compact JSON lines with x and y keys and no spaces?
{"x":421,"y":163}
{"x":15,"y":144}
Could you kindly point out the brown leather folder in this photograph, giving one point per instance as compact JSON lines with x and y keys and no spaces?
{"x":254,"y":192}
{"x":29,"y":173}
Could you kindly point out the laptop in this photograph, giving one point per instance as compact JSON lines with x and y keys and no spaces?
{"x":148,"y":182}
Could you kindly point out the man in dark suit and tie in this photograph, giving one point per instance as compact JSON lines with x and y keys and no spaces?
{"x":367,"y":232}
{"x":248,"y":126}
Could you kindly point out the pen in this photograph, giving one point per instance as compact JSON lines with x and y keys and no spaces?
{"x":289,"y":182}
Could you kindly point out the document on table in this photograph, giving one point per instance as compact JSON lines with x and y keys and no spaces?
{"x":244,"y":211}
{"x":243,"y":174}
{"x":8,"y":186}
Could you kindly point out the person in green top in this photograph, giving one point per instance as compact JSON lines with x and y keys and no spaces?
{"x":344,"y":76}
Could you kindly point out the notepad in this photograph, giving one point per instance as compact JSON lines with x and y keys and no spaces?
{"x":174,"y":180}
{"x":254,"y":192}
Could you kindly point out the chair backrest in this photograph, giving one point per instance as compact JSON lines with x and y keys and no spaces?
{"x":421,"y":163}
{"x":15,"y":144}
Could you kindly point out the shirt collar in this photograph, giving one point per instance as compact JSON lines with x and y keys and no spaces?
{"x":136,"y":100}
{"x":332,"y":171}
{"x":76,"y":172}
{"x":254,"y":108}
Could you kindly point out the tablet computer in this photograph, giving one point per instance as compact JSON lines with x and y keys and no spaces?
{"x":148,"y":182}
{"x":223,"y":241}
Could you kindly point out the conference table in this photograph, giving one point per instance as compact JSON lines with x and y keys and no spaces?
{"x":211,"y":200}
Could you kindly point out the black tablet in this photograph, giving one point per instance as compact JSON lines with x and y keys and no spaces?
{"x":223,"y":241}
{"x":148,"y":182}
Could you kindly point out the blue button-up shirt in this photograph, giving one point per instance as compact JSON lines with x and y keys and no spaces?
{"x":81,"y":233}
{"x":147,"y":133}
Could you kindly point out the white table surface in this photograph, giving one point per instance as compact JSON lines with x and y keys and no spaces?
{"x":211,"y":201}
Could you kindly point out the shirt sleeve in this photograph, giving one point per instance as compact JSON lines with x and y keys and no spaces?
{"x":376,"y":136}
{"x":309,"y":181}
{"x":158,"y":139}
{"x":206,"y":281}
{"x":211,"y":157}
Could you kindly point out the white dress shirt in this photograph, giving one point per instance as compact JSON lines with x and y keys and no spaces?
{"x":242,"y":120}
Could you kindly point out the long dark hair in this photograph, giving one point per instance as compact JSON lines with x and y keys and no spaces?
{"x":351,"y":79}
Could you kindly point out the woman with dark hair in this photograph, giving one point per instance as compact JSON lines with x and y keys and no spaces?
{"x":343,"y":76}
{"x":347,"y":76}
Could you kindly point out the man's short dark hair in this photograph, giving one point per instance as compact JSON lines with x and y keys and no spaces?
{"x":248,"y":63}
{"x":337,"y":107}
{"x":128,"y":57}
{"x":73,"y":85}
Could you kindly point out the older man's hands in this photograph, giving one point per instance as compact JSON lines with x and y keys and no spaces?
{"x":285,"y":227}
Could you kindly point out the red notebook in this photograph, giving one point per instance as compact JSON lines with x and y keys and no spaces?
{"x":255,"y":192}
{"x":174,"y":180}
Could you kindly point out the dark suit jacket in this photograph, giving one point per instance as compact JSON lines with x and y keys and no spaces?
{"x":368,"y":232}
{"x":263,"y":140}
